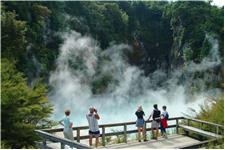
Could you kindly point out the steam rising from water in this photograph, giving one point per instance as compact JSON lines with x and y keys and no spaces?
{"x":81,"y":61}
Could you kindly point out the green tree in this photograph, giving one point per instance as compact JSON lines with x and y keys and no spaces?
{"x":188,"y":54}
{"x":13,"y":35}
{"x":214,"y":112}
{"x":191,"y":21}
{"x":23,"y":108}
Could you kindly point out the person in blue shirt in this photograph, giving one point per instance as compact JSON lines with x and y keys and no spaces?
{"x":67,"y":131}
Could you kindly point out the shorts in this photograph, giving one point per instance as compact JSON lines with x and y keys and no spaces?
{"x":140,"y":123}
{"x":155,"y":124}
{"x":94,"y":133}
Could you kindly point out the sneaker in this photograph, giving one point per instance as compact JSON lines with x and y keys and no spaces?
{"x":139,"y":140}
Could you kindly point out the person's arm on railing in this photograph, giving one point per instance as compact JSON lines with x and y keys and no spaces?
{"x":150,"y":116}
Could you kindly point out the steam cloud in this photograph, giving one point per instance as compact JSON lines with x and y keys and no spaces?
{"x":81,"y":61}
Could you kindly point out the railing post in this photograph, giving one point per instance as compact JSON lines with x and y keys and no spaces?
{"x":201,"y":126}
{"x":177,"y":126}
{"x":188,"y":122}
{"x":78,"y":135}
{"x":44,"y":143}
{"x":217,"y":129}
{"x":125,"y":133}
{"x":62,"y":146}
{"x":103,"y":136}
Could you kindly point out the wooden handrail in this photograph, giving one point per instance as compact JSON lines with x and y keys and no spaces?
{"x":201,"y":122}
{"x":119,"y":133}
{"x":46,"y":133}
{"x":204,"y":122}
{"x":62,"y":141}
{"x":106,"y":125}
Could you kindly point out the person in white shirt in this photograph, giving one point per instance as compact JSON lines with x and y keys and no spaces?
{"x":93,"y":118}
{"x":67,"y":131}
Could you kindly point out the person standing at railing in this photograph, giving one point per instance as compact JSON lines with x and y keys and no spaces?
{"x":163,"y":124}
{"x":140,"y":123}
{"x":155,"y":122}
{"x":67,"y":131}
{"x":93,"y":118}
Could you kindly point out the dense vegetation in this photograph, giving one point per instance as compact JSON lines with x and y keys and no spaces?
{"x":214,"y":112}
{"x":163,"y":35}
{"x":158,"y":31}
{"x":23,"y":108}
{"x":211,"y":112}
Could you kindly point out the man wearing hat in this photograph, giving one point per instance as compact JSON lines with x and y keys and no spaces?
{"x":93,"y":118}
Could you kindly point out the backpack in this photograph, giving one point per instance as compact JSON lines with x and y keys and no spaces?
{"x":156,"y":115}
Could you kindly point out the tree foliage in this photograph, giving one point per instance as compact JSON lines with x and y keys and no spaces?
{"x":214,"y":112}
{"x":171,"y":33}
{"x":158,"y":31}
{"x":13,"y":35}
{"x":23,"y":108}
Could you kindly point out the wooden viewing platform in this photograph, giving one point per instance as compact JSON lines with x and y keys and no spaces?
{"x":180,"y":139}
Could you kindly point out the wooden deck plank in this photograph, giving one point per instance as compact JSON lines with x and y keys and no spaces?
{"x":173,"y":141}
{"x":199,"y":131}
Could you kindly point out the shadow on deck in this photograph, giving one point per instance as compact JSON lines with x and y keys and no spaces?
{"x":180,"y":139}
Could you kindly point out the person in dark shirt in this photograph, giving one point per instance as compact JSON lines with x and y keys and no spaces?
{"x":155,"y":115}
{"x":140,"y":123}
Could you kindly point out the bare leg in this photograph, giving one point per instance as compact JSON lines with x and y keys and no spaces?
{"x":90,"y":140}
{"x":139,"y":133}
{"x":157,"y":132}
{"x":96,"y":141}
{"x":143,"y":134}
{"x":153,"y":135}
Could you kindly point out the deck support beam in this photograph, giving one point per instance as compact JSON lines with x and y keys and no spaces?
{"x":125,"y":133}
{"x":103,"y":136}
{"x":44,"y":143}
{"x":78,"y":135}
{"x":62,"y":146}
{"x":177,"y":126}
{"x":217,"y":129}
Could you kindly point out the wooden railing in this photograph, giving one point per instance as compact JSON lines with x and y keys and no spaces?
{"x":50,"y":137}
{"x":217,"y":127}
{"x":47,"y":134}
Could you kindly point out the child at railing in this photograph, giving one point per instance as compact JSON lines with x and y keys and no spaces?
{"x":67,"y":131}
{"x":163,"y":124}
